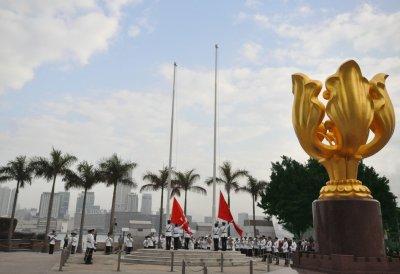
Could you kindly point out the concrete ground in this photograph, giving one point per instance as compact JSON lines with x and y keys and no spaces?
{"x":29,"y":262}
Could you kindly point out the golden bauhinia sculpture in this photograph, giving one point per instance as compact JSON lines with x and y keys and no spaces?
{"x":355,"y":109}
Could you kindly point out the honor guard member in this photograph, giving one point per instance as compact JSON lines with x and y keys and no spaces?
{"x":269,"y":250}
{"x":224,"y":235}
{"x":52,"y":241}
{"x":276,"y":250}
{"x":129,"y":243}
{"x":176,"y":234}
{"x":74,"y":242}
{"x":187,"y":237}
{"x":216,"y":231}
{"x":285,"y":250}
{"x":168,"y":234}
{"x":109,"y":243}
{"x":90,"y":242}
{"x":293,"y":246}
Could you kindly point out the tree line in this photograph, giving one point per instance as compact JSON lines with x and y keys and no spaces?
{"x":113,"y":171}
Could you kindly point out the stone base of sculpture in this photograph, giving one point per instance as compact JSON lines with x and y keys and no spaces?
{"x":349,"y":239}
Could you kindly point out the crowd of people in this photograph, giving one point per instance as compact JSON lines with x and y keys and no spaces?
{"x":177,"y":238}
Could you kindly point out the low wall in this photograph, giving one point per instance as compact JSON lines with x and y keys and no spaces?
{"x":22,"y":244}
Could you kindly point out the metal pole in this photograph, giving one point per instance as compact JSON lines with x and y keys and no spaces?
{"x":215,"y":136}
{"x":183,"y":267}
{"x":172,"y":261}
{"x":119,"y":259}
{"x":61,"y":261}
{"x":222,"y":262}
{"x":205,"y":269}
{"x":170,"y":145}
{"x":251,"y":266}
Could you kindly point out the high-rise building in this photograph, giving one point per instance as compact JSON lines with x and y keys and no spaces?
{"x":63,"y":204}
{"x":146,"y":203}
{"x":242,"y":217}
{"x":133,"y":202}
{"x":11,"y":202}
{"x":121,"y":198}
{"x":89,"y":202}
{"x":60,"y":204}
{"x":5,"y":193}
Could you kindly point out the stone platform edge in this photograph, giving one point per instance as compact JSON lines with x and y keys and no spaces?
{"x":337,"y":263}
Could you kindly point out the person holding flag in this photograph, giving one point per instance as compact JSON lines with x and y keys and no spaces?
{"x":180,"y":221}
{"x":224,"y":213}
{"x":224,"y":235}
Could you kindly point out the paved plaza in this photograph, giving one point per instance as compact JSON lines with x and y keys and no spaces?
{"x":30,"y":262}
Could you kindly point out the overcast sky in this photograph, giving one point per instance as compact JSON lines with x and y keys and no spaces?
{"x":94,"y":77}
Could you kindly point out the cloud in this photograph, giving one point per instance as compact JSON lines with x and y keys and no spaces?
{"x":251,"y":51}
{"x":37,"y":32}
{"x":134,"y":31}
{"x":364,"y":31}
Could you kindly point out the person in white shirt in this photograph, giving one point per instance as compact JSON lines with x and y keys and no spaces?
{"x":109,"y":243}
{"x":163,"y":242}
{"x":52,"y":241}
{"x":216,"y":231}
{"x":187,"y":237}
{"x":276,"y":250}
{"x":90,"y":244}
{"x":74,"y":242}
{"x":129,"y":243}
{"x":224,"y":235}
{"x":285,"y":250}
{"x":268,"y":249}
{"x":293,"y":246}
{"x":150,"y":242}
{"x":168,"y":234}
{"x":176,"y":234}
{"x":145,"y":243}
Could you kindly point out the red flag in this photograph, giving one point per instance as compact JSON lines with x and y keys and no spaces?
{"x":224,"y":213}
{"x":178,"y":217}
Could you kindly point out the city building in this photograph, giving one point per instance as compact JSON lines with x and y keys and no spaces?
{"x":263,"y":227}
{"x":121,"y":198}
{"x":242,"y":217}
{"x":133,"y":202}
{"x":60,"y":205}
{"x":5,"y":194}
{"x":63,"y":200}
{"x":208,"y":219}
{"x":90,"y":207}
{"x":146,"y":203}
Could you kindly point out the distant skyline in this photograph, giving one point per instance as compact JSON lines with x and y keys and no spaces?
{"x":92,"y":78}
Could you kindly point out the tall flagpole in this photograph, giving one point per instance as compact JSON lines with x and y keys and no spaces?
{"x":170,"y":146}
{"x":215,"y":137}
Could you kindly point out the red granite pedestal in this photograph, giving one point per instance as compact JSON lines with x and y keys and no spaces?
{"x":349,"y":239}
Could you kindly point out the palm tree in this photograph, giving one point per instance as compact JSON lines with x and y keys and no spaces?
{"x":157,"y":182}
{"x":229,"y":178}
{"x":115,"y":171}
{"x":85,"y":177}
{"x":57,"y":164}
{"x":254,"y":188}
{"x":186,"y":181}
{"x":21,"y":171}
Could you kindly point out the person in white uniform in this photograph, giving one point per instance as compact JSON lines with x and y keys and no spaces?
{"x":109,"y":242}
{"x":52,"y":241}
{"x":216,"y":231}
{"x":285,"y":250}
{"x":90,"y":244}
{"x":129,"y":243}
{"x":74,"y":242}
{"x":176,"y":234}
{"x":276,"y":250}
{"x":168,"y":234}
{"x":224,"y":235}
